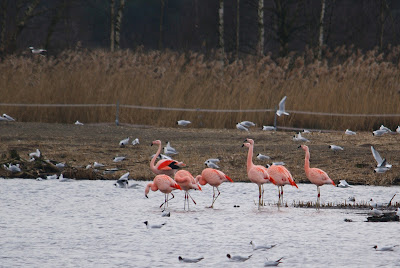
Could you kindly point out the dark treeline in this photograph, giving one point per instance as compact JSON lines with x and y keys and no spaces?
{"x":182,"y":25}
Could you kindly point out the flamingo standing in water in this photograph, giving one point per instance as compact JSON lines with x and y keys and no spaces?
{"x":186,"y":181}
{"x":256,"y":173}
{"x":213,"y":177}
{"x":315,"y":175}
{"x":165,"y":184}
{"x":281,"y":176}
{"x":164,"y":166}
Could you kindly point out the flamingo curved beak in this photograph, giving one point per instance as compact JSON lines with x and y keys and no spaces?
{"x":229,"y":179}
{"x":176,"y":186}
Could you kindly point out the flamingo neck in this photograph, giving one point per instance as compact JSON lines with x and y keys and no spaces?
{"x":250,"y":158}
{"x":307,"y":161}
{"x":153,"y":160}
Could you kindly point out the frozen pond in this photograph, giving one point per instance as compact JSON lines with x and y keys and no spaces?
{"x":94,"y":224}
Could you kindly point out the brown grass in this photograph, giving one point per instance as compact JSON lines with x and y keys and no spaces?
{"x":346,"y":81}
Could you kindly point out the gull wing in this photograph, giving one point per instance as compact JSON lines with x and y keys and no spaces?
{"x":377,"y":156}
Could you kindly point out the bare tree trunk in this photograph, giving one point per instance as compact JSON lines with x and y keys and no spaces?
{"x":112,"y":25}
{"x":118,"y":23}
{"x":321,"y":30}
{"x":160,"y":41}
{"x":260,"y":46}
{"x":381,"y":23}
{"x":237,"y":28}
{"x":221,"y":28}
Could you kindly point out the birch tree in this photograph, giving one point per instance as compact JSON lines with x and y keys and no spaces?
{"x":221,"y":28}
{"x":115,"y":24}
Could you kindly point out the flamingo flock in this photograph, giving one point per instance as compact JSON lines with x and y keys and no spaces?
{"x":170,"y":177}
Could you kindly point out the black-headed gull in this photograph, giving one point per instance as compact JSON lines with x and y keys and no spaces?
{"x":61,"y":178}
{"x":382,"y":127}
{"x":382,"y":165}
{"x":214,"y":160}
{"x":60,"y":165}
{"x":379,"y":132}
{"x":211,"y":164}
{"x":343,"y":184}
{"x":13,"y":168}
{"x":135,"y":141}
{"x":123,"y":182}
{"x":238,"y":258}
{"x":190,"y":260}
{"x":335,"y":148}
{"x":118,"y":159}
{"x":97,"y":165}
{"x":169,"y":150}
{"x":298,"y":137}
{"x":162,"y":156}
{"x":281,"y":110}
{"x":349,"y":132}
{"x":248,"y":124}
{"x":272,"y":263}
{"x":52,"y":177}
{"x":268,"y":128}
{"x":263,"y":157}
{"x":78,"y":123}
{"x":183,"y":123}
{"x":241,"y":127}
{"x":35,"y":154}
{"x":375,"y":212}
{"x":386,"y":248}
{"x":398,"y":129}
{"x":124,"y":142}
{"x":154,"y":226}
{"x":260,"y":247}
{"x":39,"y":51}
{"x":9,"y":118}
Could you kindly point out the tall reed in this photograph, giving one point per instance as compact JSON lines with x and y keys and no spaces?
{"x":346,"y":81}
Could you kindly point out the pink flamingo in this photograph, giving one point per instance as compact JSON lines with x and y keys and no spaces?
{"x":256,"y":173}
{"x":315,"y":175}
{"x":186,"y":181}
{"x":213,"y":177}
{"x":281,"y":176}
{"x":164,"y":166}
{"x":165,"y":184}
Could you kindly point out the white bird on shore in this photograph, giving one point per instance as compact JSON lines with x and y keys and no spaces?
{"x":211,"y":164}
{"x":272,"y":263}
{"x":335,"y":148}
{"x":135,"y":141}
{"x":379,"y":132}
{"x":247,"y":124}
{"x":260,"y":247}
{"x":97,"y":165}
{"x":35,"y":154}
{"x":190,"y":260}
{"x":154,"y":226}
{"x":39,"y":51}
{"x":183,"y":123}
{"x":124,"y":142}
{"x":278,"y":163}
{"x":387,"y":248}
{"x":241,"y":127}
{"x":238,"y":258}
{"x":382,"y":127}
{"x":118,"y":159}
{"x":281,"y":109}
{"x":52,"y":177}
{"x":214,"y":160}
{"x":268,"y":128}
{"x":88,"y":166}
{"x":9,"y":118}
{"x":169,"y":150}
{"x":263,"y":157}
{"x":78,"y":123}
{"x":375,"y":212}
{"x":13,"y":168}
{"x":349,"y":132}
{"x":298,"y":137}
{"x":61,"y":178}
{"x":162,"y":156}
{"x":60,"y":165}
{"x":343,"y":184}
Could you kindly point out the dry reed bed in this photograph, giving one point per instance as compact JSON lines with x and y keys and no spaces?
{"x":346,"y":81}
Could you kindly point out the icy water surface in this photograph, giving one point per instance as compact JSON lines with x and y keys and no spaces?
{"x":94,"y":224}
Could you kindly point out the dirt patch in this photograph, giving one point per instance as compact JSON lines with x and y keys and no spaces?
{"x":79,"y":146}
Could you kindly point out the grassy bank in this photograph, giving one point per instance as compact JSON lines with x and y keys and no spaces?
{"x":346,"y":81}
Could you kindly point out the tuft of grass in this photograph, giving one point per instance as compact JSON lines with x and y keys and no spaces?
{"x":346,"y":81}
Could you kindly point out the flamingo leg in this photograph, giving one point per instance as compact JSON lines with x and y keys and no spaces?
{"x":214,"y":199}
{"x":166,"y":200}
{"x":262,"y":194}
{"x":184,"y":206}
{"x":282,"y":195}
{"x":259,"y":196}
{"x":192,"y":199}
{"x":318,"y":198}
{"x":279,"y":195}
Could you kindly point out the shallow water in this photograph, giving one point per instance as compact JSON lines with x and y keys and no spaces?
{"x":94,"y":224}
